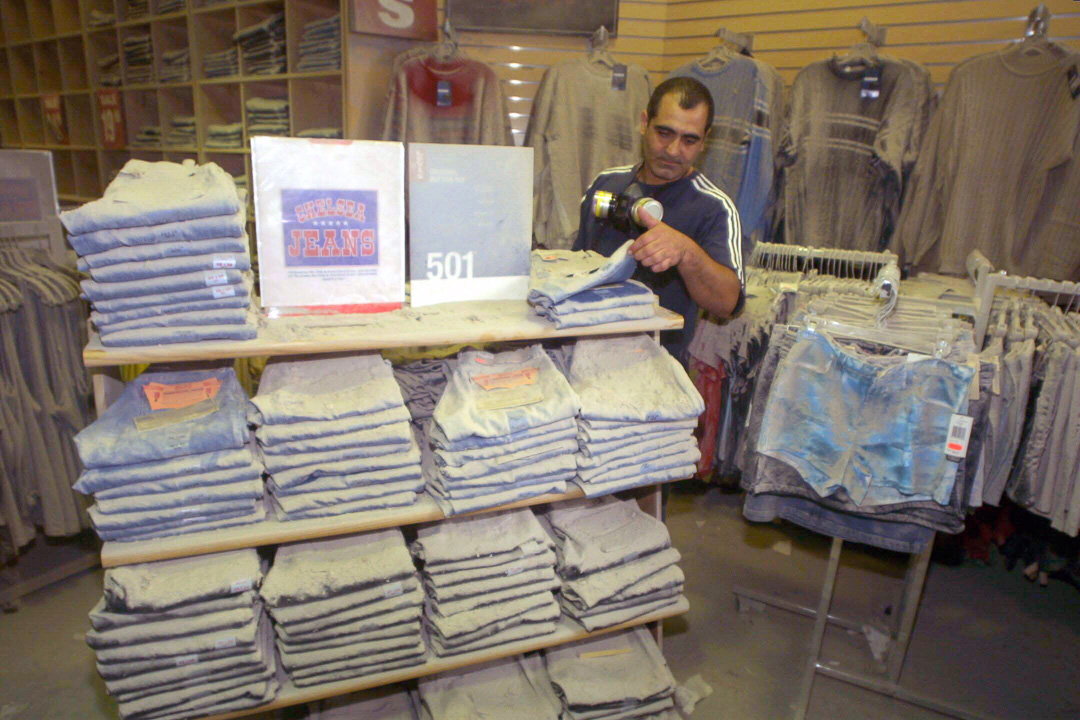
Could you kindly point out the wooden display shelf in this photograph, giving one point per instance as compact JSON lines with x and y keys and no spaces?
{"x":230,"y":79}
{"x":567,"y":632}
{"x":446,"y":324}
{"x":273,"y":532}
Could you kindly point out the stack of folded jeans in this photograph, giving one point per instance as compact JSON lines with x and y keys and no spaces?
{"x":136,"y":8}
{"x":229,"y":135}
{"x":148,"y":136}
{"x":262,"y":46}
{"x":170,"y":6}
{"x":241,"y":181}
{"x":167,"y":256}
{"x":169,"y":457}
{"x":99,"y":18}
{"x":345,"y":607}
{"x":185,"y":638}
{"x":181,"y":131}
{"x":637,"y":415}
{"x":489,"y":581}
{"x":616,"y":562}
{"x":620,"y":675}
{"x":503,"y":431}
{"x":326,"y":133}
{"x":388,"y":702}
{"x":517,"y":687}
{"x":110,"y":70}
{"x":335,"y":437}
{"x":176,"y":66}
{"x":267,"y":116}
{"x":138,"y":59}
{"x":320,"y":45}
{"x":422,"y":383}
{"x":222,"y":63}
{"x":576,"y":289}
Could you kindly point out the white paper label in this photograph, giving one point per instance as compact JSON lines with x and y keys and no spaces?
{"x":216,"y":277}
{"x":515,"y":569}
{"x":393,"y":590}
{"x":224,"y":292}
{"x":240,"y":586}
{"x":225,"y":642}
{"x":224,"y":262}
{"x":959,"y":433}
{"x":187,"y":660}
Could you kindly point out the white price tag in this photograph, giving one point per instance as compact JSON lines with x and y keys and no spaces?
{"x":515,"y":569}
{"x":187,"y":660}
{"x":956,"y":445}
{"x":216,"y":277}
{"x":240,"y":586}
{"x":224,"y":262}
{"x":225,"y":642}
{"x":393,"y":590}
{"x":224,"y":291}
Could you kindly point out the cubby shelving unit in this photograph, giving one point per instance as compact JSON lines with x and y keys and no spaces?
{"x":50,"y":47}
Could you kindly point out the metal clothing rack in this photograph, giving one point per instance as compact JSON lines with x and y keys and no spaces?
{"x":828,"y":261}
{"x":29,"y":213}
{"x":988,"y":282}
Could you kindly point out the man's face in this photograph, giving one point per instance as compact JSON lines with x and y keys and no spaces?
{"x":672,"y":140}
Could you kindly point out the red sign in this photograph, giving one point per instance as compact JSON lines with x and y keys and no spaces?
{"x":112,"y":119}
{"x":414,"y":19}
{"x":54,"y":118}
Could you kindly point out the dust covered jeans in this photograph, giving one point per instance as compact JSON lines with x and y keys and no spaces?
{"x":846,"y":419}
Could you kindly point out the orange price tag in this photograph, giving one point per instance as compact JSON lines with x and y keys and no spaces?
{"x":509,"y":380}
{"x":180,"y":395}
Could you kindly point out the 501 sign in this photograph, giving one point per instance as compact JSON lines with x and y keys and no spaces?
{"x":450,"y":265}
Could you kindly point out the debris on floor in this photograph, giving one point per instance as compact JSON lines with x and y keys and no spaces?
{"x":687,"y":696}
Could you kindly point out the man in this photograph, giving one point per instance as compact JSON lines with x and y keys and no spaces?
{"x":694,"y":257}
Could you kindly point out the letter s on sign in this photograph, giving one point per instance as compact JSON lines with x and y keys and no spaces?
{"x":397,"y":13}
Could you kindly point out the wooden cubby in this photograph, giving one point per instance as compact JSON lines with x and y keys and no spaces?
{"x":275,"y":89}
{"x":40,"y":16}
{"x":99,"y":46}
{"x":47,"y":61}
{"x":73,"y":64}
{"x":87,"y":173}
{"x":67,"y":17}
{"x":140,"y":110}
{"x":247,"y":15}
{"x":65,"y":173}
{"x":167,"y":36}
{"x":5,"y":76}
{"x":213,"y":32}
{"x":9,"y":124}
{"x":112,"y":161}
{"x":127,"y":31}
{"x":122,"y":15}
{"x":23,"y":73}
{"x":218,"y":105}
{"x":314,"y":104}
{"x":31,"y":123}
{"x":80,"y":119}
{"x":16,"y":21}
{"x":175,"y":101}
{"x":301,"y":12}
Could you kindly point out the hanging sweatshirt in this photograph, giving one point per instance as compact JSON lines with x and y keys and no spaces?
{"x":1006,"y":125}
{"x":457,"y":100}
{"x":843,"y":152}
{"x":739,"y":151}
{"x":580,"y":124}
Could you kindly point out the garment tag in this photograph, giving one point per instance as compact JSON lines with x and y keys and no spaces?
{"x":604,"y":653}
{"x":916,"y":357}
{"x":1074,"y":82}
{"x":180,"y":395}
{"x":973,"y":392}
{"x":216,"y":277}
{"x":224,"y":291}
{"x":164,"y":418}
{"x":871,"y":84}
{"x":515,"y":569}
{"x":225,"y":643}
{"x":444,"y":96}
{"x":618,"y":77}
{"x":240,"y":586}
{"x":789,"y":287}
{"x":393,"y":590}
{"x":508,"y":380}
{"x":959,"y":434}
{"x":224,"y":262}
{"x":502,"y":399}
{"x":187,"y":660}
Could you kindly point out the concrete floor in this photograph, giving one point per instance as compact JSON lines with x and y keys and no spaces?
{"x":984,"y":638}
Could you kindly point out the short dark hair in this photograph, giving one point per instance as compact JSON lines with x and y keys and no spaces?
{"x":691,"y":93}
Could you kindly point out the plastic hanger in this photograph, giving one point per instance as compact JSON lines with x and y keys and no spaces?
{"x":862,"y":55}
{"x":598,"y":48}
{"x":447,"y":48}
{"x":731,"y":44}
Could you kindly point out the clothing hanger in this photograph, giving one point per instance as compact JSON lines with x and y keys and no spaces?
{"x":598,"y":48}
{"x":862,"y":55}
{"x":446,"y":49}
{"x":1036,"y":41}
{"x":731,"y":44}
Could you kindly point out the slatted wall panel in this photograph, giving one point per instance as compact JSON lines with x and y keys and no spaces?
{"x":790,"y":34}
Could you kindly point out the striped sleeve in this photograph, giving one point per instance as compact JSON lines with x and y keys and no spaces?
{"x":729,"y":234}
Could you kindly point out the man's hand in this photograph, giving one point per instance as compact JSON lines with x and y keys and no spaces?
{"x":661,"y":246}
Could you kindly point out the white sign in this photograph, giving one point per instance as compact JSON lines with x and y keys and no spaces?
{"x":470,"y":222}
{"x":330,"y":223}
